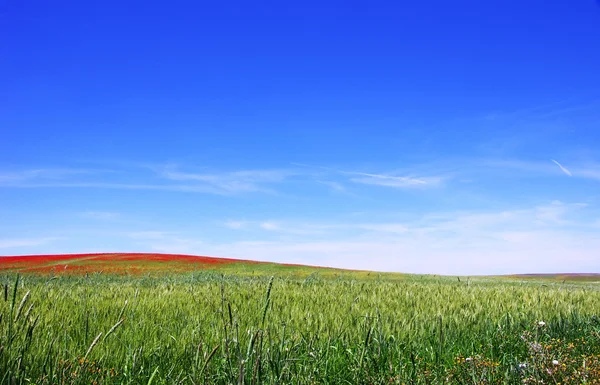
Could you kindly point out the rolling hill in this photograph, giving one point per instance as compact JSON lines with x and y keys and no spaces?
{"x":157,"y":263}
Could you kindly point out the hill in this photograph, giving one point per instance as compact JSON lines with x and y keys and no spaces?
{"x":156,"y":263}
{"x":122,"y":263}
{"x":569,"y":277}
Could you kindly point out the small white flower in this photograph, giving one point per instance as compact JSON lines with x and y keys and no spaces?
{"x":468,"y":359}
{"x":522,"y":366}
{"x":555,"y":362}
{"x":542,"y":323}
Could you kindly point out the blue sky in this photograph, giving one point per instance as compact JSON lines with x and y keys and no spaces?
{"x":432,"y":137}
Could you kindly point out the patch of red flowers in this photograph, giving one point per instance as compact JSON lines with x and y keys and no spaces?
{"x":162,"y":258}
{"x":120,"y":263}
{"x":19,"y":262}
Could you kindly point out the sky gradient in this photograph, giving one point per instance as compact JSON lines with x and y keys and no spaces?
{"x":426,"y":137}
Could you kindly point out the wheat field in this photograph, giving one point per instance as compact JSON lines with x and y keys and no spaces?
{"x":211,"y":328}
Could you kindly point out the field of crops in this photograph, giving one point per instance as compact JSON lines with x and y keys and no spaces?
{"x":271,"y":324}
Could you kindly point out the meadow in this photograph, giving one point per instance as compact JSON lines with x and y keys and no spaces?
{"x":245,"y":323}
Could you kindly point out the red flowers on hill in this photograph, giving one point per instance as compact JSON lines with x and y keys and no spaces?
{"x":123,"y":263}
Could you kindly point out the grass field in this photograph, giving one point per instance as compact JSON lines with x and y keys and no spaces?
{"x":151,"y":319}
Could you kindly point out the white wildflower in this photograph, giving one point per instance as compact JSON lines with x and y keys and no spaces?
{"x":468,"y":359}
{"x":555,"y":362}
{"x":522,"y":366}
{"x":541,"y":323}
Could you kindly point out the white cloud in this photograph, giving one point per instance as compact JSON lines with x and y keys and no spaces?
{"x":564,"y":169}
{"x":394,"y":181}
{"x":381,"y":179}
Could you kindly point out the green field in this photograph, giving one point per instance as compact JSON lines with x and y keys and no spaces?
{"x":272,"y":324}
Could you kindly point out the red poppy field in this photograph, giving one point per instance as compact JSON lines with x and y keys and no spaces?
{"x":132,"y":264}
{"x":116,"y":263}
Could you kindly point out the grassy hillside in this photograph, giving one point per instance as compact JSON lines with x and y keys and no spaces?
{"x":161,"y":264}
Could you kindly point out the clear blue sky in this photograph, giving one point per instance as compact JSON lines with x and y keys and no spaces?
{"x":428,"y":136}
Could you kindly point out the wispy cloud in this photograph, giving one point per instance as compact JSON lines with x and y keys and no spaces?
{"x":162,"y":178}
{"x":564,"y":169}
{"x":232,"y":182}
{"x":225,"y":183}
{"x":394,"y":181}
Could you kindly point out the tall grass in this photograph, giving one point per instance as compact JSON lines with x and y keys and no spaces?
{"x":212,"y":329}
